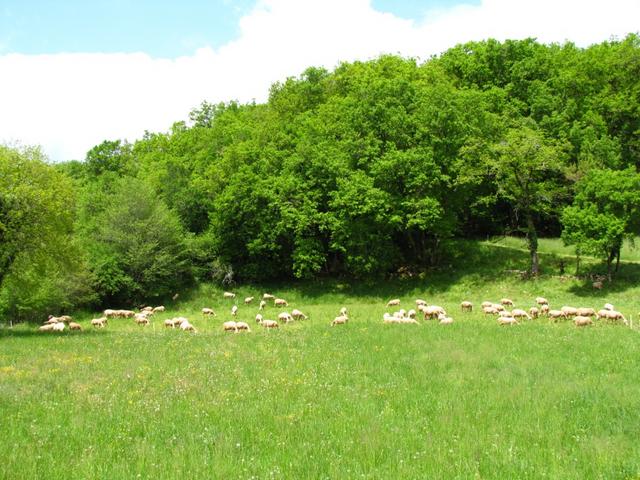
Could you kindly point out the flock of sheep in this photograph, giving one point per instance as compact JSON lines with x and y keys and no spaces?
{"x":581,"y":316}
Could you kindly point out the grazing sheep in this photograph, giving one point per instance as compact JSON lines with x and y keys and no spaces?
{"x":411,"y":313}
{"x":262,"y":305}
{"x":498,"y":306}
{"x":248,"y":300}
{"x":556,"y":314}
{"x":258,"y":318}
{"x":542,"y":301}
{"x":268,"y":296}
{"x":228,"y":295}
{"x":229,"y":326}
{"x":65,"y":318}
{"x":74,"y":326}
{"x":586,"y":312}
{"x":57,"y":327}
{"x":544,"y":310}
{"x":419,"y":302}
{"x":343,"y":311}
{"x":608,"y":306}
{"x":109,"y":313}
{"x":507,"y":321}
{"x":432,"y":311}
{"x":208,"y":312}
{"x":99,"y":322}
{"x":506,"y":301}
{"x":388,"y":318}
{"x":486,"y":304}
{"x":581,"y":321}
{"x":298,"y":315}
{"x":234,"y":310}
{"x":612,"y":315}
{"x":466,"y":306}
{"x":519,"y":313}
{"x":412,"y":321}
{"x":242,"y":326}
{"x":280,"y":302}
{"x":341,"y":320}
{"x":394,"y":302}
{"x":158,"y":309}
{"x":47,"y":328}
{"x":285,"y":317}
{"x":146,"y":309}
{"x":534,"y":312}
{"x":490,"y":310}
{"x":444,"y":320}
{"x":569,"y":311}
{"x":597,"y":285}
{"x":51,"y":320}
{"x":269,"y":324}
{"x":172,"y":322}
{"x":186,"y":326}
{"x":141,"y":319}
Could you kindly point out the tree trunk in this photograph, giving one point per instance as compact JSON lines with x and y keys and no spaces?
{"x":609,"y":262}
{"x":618,"y":259}
{"x":532,"y":244}
{"x":577,"y":264}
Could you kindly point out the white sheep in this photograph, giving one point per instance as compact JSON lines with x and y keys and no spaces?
{"x":608,"y":306}
{"x":186,"y":326}
{"x":262,"y":305}
{"x":234,"y":310}
{"x":582,"y":321}
{"x":258,"y":318}
{"x":556,"y":314}
{"x":419,"y":302}
{"x":444,"y":320}
{"x":506,"y":301}
{"x":158,"y":309}
{"x":490,"y":310}
{"x":542,"y":301}
{"x":248,"y":300}
{"x":586,"y":312}
{"x":74,"y":326}
{"x":280,"y":302}
{"x":208,"y":312}
{"x":285,"y":317}
{"x":411,"y":313}
{"x":99,"y":322}
{"x":46,"y":328}
{"x":569,"y":311}
{"x":298,"y":315}
{"x":141,"y":319}
{"x":544,"y":309}
{"x":171,"y":323}
{"x":268,"y":296}
{"x":269,"y":324}
{"x":432,"y":311}
{"x":534,"y":312}
{"x":466,"y":306}
{"x":388,"y":318}
{"x":519,"y":313}
{"x":612,"y":315}
{"x":394,"y":302}
{"x":242,"y":326}
{"x":340,"y":320}
{"x":58,"y":327}
{"x":507,"y":321}
{"x":228,"y":295}
{"x":486,"y":304}
{"x":229,"y":326}
{"x":343,"y":311}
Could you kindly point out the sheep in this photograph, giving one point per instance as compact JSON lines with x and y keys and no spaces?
{"x":228,"y":326}
{"x":58,"y":327}
{"x":490,"y":310}
{"x":74,"y":326}
{"x":109,"y":313}
{"x":269,"y":324}
{"x":444,"y":320}
{"x":519,"y":313}
{"x":419,"y":302}
{"x":99,"y":322}
{"x":504,"y":313}
{"x":242,"y":326}
{"x":285,"y":317}
{"x":388,"y":318}
{"x":402,"y":313}
{"x":542,"y":301}
{"x":581,"y":321}
{"x":51,"y":320}
{"x":298,"y":315}
{"x":498,"y":306}
{"x":506,"y":301}
{"x":248,"y":300}
{"x":432,"y":311}
{"x":408,"y":320}
{"x":507,"y":321}
{"x":268,"y":296}
{"x":486,"y":304}
{"x":280,"y":302}
{"x":341,"y":320}
{"x":612,"y":315}
{"x":171,"y":323}
{"x":569,"y":311}
{"x":534,"y":312}
{"x":208,"y":312}
{"x":158,"y":309}
{"x":228,"y":295}
{"x":65,"y":318}
{"x":146,"y":309}
{"x":262,"y":305}
{"x":411,"y":313}
{"x":46,"y":328}
{"x":544,"y":310}
{"x":556,"y":314}
{"x":141,"y":319}
{"x":234,"y":310}
{"x":343,"y":311}
{"x":186,"y":326}
{"x":608,"y":306}
{"x":586,"y":312}
{"x":597,"y":285}
{"x":258,"y":318}
{"x":466,"y":306}
{"x":394,"y":302}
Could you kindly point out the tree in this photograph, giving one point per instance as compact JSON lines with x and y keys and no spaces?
{"x":605,"y":211}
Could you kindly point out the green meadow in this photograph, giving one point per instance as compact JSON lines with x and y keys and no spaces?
{"x":362,"y":400}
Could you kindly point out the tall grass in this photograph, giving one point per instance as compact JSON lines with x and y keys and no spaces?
{"x":364,"y":400}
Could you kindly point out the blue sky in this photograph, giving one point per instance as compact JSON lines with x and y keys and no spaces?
{"x":78,"y":72}
{"x":161,"y":28}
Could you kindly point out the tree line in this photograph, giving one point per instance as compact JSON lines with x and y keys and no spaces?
{"x":359,"y":171}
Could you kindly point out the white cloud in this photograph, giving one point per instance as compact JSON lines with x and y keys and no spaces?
{"x":70,"y":102}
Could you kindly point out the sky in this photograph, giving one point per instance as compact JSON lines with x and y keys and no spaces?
{"x":75,"y":72}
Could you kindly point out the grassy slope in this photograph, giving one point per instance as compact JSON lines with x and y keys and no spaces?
{"x":309,"y":401}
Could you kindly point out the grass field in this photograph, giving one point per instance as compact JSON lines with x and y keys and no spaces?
{"x":364,"y":400}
